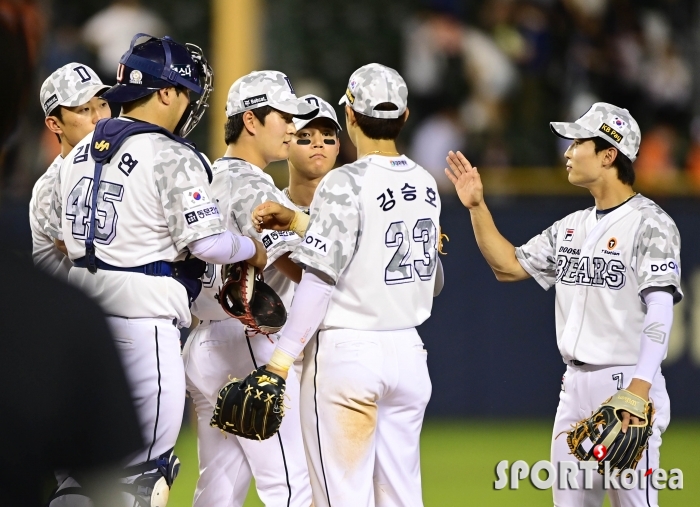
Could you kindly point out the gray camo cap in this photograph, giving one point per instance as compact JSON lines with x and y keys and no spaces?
{"x":325,"y":110}
{"x":612,"y":123}
{"x":266,"y":88}
{"x":374,"y":84}
{"x":71,"y":85}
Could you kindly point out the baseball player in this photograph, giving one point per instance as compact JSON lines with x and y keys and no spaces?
{"x":70,"y":98}
{"x":262,"y":110}
{"x":616,"y":268}
{"x":131,"y":203}
{"x":370,"y":255}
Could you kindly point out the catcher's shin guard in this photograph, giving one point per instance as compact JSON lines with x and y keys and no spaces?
{"x":152,"y":487}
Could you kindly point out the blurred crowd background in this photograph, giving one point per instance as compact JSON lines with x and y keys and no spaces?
{"x":484,"y":76}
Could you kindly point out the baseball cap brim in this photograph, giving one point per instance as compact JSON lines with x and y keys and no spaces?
{"x":297,"y":108}
{"x":300,"y":123}
{"x":82,"y":97}
{"x":569,"y":130}
{"x":126,"y":93}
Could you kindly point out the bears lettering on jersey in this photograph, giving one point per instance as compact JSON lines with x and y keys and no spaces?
{"x":596,"y":272}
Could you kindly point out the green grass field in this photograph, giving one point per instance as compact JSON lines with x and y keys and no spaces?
{"x":459,"y":460}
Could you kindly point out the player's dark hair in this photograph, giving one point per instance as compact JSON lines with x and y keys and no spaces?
{"x":381,"y":128}
{"x":625,"y":171}
{"x":233,"y":128}
{"x":58,"y":113}
{"x":128,"y":107}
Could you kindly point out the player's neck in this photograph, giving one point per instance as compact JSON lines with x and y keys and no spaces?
{"x":611,"y":195}
{"x":301,"y":189}
{"x":66,"y":147}
{"x":366,"y":146}
{"x":247,"y":152}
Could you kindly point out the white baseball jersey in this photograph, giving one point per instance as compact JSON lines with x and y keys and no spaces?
{"x":600,"y":267}
{"x":154,"y":199}
{"x":44,"y":252}
{"x":374,"y":229}
{"x":239,"y":187}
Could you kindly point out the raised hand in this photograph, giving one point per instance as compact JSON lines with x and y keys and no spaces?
{"x":466,"y":179}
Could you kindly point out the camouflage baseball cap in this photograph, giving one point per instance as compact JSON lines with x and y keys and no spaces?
{"x":375,"y":84}
{"x":612,"y":123}
{"x":266,"y":88}
{"x":71,"y":85}
{"x":325,"y":110}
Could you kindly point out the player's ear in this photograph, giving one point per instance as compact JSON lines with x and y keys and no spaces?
{"x":609,"y":156}
{"x":53,"y":125}
{"x":166,"y":95}
{"x":249,"y":122}
{"x":349,"y":116}
{"x":405,"y":114}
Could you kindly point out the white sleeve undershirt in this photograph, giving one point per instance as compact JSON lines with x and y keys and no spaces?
{"x":655,"y":334}
{"x":309,"y":306}
{"x":223,"y":248}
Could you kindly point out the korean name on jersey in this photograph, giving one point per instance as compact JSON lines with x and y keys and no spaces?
{"x":374,"y":230}
{"x":600,"y":267}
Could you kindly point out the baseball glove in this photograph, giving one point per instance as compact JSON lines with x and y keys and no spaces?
{"x":251,"y":408}
{"x":246,"y":297}
{"x":604,"y":427}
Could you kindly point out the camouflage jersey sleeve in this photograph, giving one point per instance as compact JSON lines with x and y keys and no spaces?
{"x":538,"y":257}
{"x":188,"y":203}
{"x":252,"y":187}
{"x":335,"y":225}
{"x":53,"y":225}
{"x":40,"y":204}
{"x":657,"y":255}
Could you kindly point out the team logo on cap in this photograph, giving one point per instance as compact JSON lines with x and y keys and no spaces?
{"x":136,"y":77}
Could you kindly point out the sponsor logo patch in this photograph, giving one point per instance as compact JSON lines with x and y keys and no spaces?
{"x":398,"y":163}
{"x":316,"y":243}
{"x":569,"y":235}
{"x":50,"y":102}
{"x":611,"y":132}
{"x":350,"y":96}
{"x":136,"y":77}
{"x":252,"y":101}
{"x":203,"y":213}
{"x":612,"y":243}
{"x":182,"y":69}
{"x":102,"y":145}
{"x":665,"y":266}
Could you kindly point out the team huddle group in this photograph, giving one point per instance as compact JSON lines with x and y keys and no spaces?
{"x":135,"y":216}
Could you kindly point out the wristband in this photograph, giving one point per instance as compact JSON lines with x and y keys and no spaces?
{"x":280,"y":360}
{"x":299,"y":223}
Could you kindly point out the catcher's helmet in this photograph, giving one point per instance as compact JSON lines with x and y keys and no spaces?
{"x":162,"y":63}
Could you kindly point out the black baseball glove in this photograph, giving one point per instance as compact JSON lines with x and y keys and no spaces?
{"x":246,"y":297}
{"x":604,"y":427}
{"x":251,"y":408}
